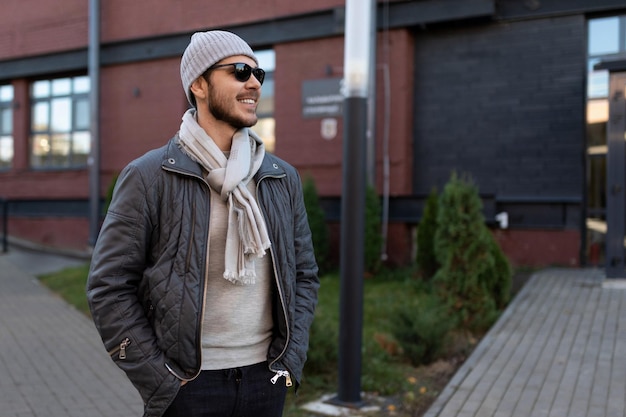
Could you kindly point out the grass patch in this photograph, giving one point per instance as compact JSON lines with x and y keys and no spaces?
{"x":69,"y":283}
{"x":386,"y":371}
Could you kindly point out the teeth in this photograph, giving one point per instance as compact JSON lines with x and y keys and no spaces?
{"x":247,"y":101}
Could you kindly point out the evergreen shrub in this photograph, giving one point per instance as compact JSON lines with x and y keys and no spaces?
{"x":474,"y":279}
{"x":323,"y":352}
{"x":109,"y":194}
{"x":323,"y":342}
{"x":373,"y":234}
{"x":426,"y":258}
{"x":317,"y":224}
{"x":421,"y":328}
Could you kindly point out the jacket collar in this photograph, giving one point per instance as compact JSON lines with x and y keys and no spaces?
{"x":175,"y":159}
{"x":270,"y":167}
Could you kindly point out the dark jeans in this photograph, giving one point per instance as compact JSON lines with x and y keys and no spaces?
{"x":237,"y":392}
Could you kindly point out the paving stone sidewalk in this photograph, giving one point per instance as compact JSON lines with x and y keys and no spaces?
{"x":559,"y":350}
{"x":52,"y":361}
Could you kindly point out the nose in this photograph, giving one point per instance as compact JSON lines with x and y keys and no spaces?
{"x":253,"y":83}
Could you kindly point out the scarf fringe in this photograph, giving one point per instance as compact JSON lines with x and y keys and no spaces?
{"x":247,"y":278}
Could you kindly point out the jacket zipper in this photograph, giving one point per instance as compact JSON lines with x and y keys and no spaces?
{"x":279,"y":372}
{"x":203,"y":299}
{"x":193,"y":220}
{"x":282,"y":373}
{"x":204,"y":290}
{"x":121,"y":348}
{"x":206,"y":260}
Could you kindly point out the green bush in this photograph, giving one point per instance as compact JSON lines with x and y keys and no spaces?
{"x":474,"y":278}
{"x":324,"y":334}
{"x":317,"y":223}
{"x":500,"y":277}
{"x":109,"y":194}
{"x":421,"y":328}
{"x":425,"y":257}
{"x":323,"y":342}
{"x":373,"y":236}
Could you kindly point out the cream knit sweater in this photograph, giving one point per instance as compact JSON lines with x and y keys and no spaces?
{"x":237,"y":323}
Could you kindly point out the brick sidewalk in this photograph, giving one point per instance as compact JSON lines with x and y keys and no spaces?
{"x":52,"y":361}
{"x":558,"y":350}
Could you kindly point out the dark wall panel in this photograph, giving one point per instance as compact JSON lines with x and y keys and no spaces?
{"x":505,"y":103}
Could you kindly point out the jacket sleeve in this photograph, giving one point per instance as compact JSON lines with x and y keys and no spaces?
{"x":115,"y":283}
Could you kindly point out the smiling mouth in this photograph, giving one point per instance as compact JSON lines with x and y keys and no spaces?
{"x":247,"y":101}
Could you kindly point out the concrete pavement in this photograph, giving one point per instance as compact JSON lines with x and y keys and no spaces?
{"x":52,"y":362}
{"x":559,"y":350}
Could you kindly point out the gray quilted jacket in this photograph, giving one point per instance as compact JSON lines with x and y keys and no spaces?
{"x":145,"y":286}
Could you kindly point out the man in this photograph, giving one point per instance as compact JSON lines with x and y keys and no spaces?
{"x":203,"y":281}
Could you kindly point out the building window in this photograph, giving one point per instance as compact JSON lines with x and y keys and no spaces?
{"x":606,"y":41}
{"x":6,"y":127}
{"x":60,"y":136}
{"x":265,"y":110}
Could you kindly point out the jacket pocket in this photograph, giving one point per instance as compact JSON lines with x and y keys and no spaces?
{"x":120,"y":349}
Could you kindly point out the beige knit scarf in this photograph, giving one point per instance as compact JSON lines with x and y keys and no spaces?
{"x":246,"y":237}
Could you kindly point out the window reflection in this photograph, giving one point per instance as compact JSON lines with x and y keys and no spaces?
{"x":40,"y":115}
{"x":6,"y":93}
{"x":41,"y":89}
{"x":6,"y":127}
{"x":61,"y":87}
{"x":81,"y":116}
{"x":265,"y":126}
{"x":60,"y":117}
{"x":604,"y":36}
{"x":6,"y":121}
{"x":82,"y":84}
{"x":603,"y":43}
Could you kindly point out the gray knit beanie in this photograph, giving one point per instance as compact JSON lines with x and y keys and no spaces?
{"x":207,"y":49}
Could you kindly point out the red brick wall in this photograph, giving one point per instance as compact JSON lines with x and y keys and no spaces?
{"x":298,"y":140}
{"x":52,"y":26}
{"x":540,"y":247}
{"x":64,"y":233}
{"x":122,"y":19}
{"x":142,"y":105}
{"x":531,"y":248}
{"x":42,"y":27}
{"x":399,"y":62}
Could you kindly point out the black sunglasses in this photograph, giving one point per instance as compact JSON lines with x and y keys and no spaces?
{"x":243,"y":71}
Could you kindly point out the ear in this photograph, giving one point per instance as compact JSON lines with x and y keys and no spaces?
{"x":199,"y":88}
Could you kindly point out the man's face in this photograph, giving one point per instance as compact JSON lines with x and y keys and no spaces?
{"x":229,"y":100}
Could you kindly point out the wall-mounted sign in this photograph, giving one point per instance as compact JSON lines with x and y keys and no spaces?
{"x":322,"y":98}
{"x":328,"y":128}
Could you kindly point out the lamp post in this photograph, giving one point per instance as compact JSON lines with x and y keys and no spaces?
{"x":355,"y":88}
{"x":94,"y":120}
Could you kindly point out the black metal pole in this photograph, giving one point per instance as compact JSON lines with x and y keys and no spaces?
{"x":5,"y":224}
{"x":94,"y":119}
{"x":352,"y":262}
